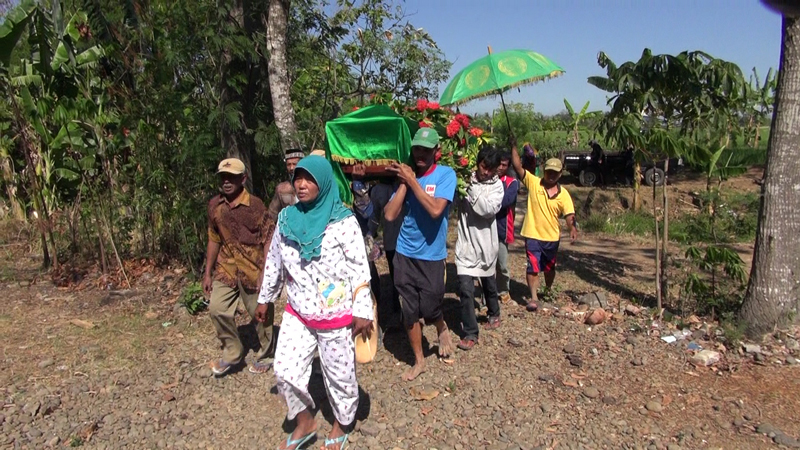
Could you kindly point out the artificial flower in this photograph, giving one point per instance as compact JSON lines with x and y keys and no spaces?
{"x":453,"y":128}
{"x":424,"y":124}
{"x":464,"y":161}
{"x":422,"y":104}
{"x":433,"y":106}
{"x":462,"y":119}
{"x":475,"y":131}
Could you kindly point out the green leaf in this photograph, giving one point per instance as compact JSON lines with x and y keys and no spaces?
{"x":67,"y":174}
{"x":12,"y":28}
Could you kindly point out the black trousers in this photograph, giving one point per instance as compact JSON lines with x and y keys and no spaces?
{"x":469,"y":322}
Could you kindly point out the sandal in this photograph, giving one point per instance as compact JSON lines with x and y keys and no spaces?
{"x":342,"y":439}
{"x":467,"y":344}
{"x":297,"y":443}
{"x":220,"y":367}
{"x":260,"y":367}
{"x":532,"y":306}
{"x":494,"y":323}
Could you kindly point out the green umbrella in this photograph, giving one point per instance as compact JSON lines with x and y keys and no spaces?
{"x":496,"y":73}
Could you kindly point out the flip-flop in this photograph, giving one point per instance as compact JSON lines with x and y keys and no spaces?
{"x":221,"y":367}
{"x":297,"y":443}
{"x":342,"y":439}
{"x":260,"y":367}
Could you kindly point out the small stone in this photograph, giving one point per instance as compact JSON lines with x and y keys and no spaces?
{"x":632,"y":310}
{"x":751,"y":348}
{"x":46,"y":363}
{"x":514,"y":342}
{"x":546,"y":407}
{"x":591,"y":392}
{"x":205,"y":372}
{"x":638,"y":361}
{"x":547,"y":378}
{"x":759,"y":357}
{"x":765,"y":428}
{"x":706,"y":358}
{"x":609,"y":400}
{"x":738,"y":421}
{"x":654,"y":406}
{"x":168,"y":397}
{"x":792,"y":344}
{"x":783,"y":439}
{"x":52,"y":442}
{"x":369,"y":429}
{"x":618,"y":316}
{"x":569,"y":348}
{"x":632,"y":340}
{"x":575,"y":360}
{"x":673,"y":447}
{"x":790,"y":360}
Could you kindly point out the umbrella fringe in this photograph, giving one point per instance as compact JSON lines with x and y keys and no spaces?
{"x":553,"y":74}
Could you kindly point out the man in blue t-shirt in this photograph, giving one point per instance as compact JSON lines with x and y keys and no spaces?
{"x":426,"y":191}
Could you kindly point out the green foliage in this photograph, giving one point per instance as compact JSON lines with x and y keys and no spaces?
{"x":131,"y":105}
{"x":192,"y":298}
{"x":734,"y":218}
{"x":718,"y":285}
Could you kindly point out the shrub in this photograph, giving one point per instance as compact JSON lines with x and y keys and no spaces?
{"x":193,"y":299}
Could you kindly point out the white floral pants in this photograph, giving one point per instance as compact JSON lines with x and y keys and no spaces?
{"x":293,"y":358}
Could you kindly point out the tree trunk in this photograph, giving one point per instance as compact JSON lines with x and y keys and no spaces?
{"x":11,"y":190}
{"x":665,"y":239}
{"x":232,"y":136}
{"x":279,"y":86}
{"x":658,"y":252}
{"x":772,"y":295}
{"x":637,"y":177}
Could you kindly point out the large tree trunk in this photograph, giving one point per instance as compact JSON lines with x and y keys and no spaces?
{"x":282,"y":109}
{"x":773,"y":291}
{"x":232,"y":135}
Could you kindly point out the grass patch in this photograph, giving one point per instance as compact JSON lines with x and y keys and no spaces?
{"x":736,"y":220}
{"x":629,"y":222}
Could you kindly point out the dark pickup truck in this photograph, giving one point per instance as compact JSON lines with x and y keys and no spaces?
{"x":618,"y":168}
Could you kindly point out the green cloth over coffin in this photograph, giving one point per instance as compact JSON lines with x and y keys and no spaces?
{"x":374,"y":135}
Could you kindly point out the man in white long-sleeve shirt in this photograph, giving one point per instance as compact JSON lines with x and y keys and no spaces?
{"x":477,"y":244}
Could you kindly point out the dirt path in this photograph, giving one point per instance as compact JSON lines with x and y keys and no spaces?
{"x":126,"y":369}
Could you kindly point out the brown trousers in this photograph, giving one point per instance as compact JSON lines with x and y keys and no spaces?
{"x":222,"y":309}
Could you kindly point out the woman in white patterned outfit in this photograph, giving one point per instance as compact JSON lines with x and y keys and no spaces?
{"x":318,"y":251}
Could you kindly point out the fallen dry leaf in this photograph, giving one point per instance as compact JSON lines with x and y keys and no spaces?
{"x":421,"y":394}
{"x":569,"y":383}
{"x":666,"y":400}
{"x":150,"y":315}
{"x":426,"y":410}
{"x":578,"y":376}
{"x":86,"y":325}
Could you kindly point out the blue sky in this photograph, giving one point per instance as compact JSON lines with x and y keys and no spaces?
{"x":572,"y":32}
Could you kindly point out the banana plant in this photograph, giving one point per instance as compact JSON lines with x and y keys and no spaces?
{"x":762,"y":99}
{"x":575,"y":120}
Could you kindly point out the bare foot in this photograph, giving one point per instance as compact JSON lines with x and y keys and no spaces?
{"x":445,"y":344}
{"x":414,"y":371}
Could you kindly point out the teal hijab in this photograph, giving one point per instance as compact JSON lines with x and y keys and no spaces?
{"x":305,"y":223}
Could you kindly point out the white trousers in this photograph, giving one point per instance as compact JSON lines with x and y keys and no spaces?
{"x":293,"y":358}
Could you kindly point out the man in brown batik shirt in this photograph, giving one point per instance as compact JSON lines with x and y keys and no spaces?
{"x":239,"y":230}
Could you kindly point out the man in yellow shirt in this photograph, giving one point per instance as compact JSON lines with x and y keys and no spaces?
{"x":547,"y":202}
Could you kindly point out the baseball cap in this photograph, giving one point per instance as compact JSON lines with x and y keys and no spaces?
{"x":231,"y":165}
{"x":553,"y":164}
{"x":426,"y":137}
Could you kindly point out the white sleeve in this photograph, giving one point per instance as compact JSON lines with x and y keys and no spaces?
{"x":356,"y":266}
{"x":486,"y":200}
{"x":272,"y":282}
